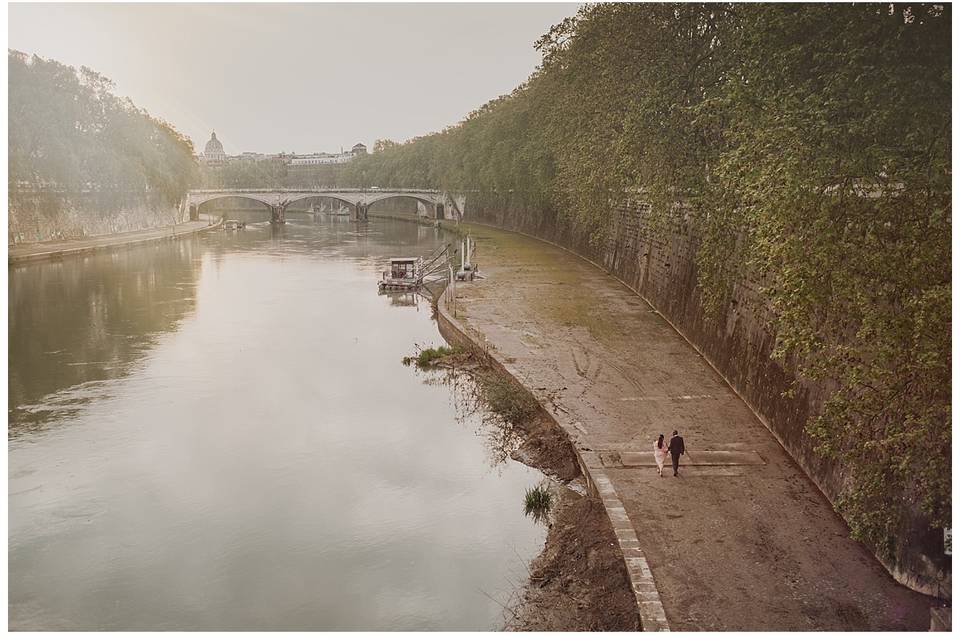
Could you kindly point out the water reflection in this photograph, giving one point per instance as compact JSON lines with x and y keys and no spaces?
{"x":403,"y":298}
{"x":501,"y":440}
{"x":75,"y":323}
{"x":264,"y":460}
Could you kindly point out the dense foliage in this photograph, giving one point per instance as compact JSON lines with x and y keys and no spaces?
{"x":812,"y":145}
{"x":68,"y":132}
{"x":262,"y":174}
{"x":837,"y":164}
{"x":269,"y":174}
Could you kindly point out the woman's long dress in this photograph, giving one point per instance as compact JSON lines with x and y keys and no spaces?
{"x":660,"y":455}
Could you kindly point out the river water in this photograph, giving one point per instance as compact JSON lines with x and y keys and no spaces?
{"x":218,"y":433}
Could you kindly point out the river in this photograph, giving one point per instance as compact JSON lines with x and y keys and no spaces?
{"x":218,"y":433}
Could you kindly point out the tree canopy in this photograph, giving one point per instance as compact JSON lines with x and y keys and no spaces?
{"x":68,"y":132}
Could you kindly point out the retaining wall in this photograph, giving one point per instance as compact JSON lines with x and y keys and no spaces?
{"x":39,"y":215}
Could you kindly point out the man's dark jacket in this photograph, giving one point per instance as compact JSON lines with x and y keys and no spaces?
{"x":676,"y":446}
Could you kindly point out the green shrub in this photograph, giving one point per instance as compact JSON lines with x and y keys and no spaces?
{"x":428,"y":357}
{"x":508,"y":399}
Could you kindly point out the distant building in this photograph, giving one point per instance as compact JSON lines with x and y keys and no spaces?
{"x":251,"y":157}
{"x":320,"y":158}
{"x":358,"y":149}
{"x":213,"y":153}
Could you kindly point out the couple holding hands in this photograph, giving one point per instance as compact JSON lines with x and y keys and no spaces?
{"x":675,"y":448}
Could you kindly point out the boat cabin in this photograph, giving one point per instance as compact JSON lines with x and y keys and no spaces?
{"x":403,"y":268}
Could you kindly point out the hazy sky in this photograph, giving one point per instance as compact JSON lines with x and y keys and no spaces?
{"x":296,"y":77}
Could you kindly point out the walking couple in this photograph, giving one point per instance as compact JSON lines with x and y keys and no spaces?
{"x":675,"y":449}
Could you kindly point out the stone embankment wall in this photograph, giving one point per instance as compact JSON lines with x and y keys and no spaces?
{"x":35,"y":216}
{"x":233,"y":203}
{"x":657,"y":259}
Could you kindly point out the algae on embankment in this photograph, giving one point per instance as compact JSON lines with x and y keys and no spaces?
{"x":540,"y":263}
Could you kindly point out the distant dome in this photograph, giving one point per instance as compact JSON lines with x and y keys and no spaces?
{"x":213,"y":145}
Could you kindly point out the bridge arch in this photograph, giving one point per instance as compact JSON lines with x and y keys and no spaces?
{"x":332,"y":196}
{"x":434,"y":202}
{"x":198,"y":200}
{"x":427,"y":201}
{"x":202,"y":200}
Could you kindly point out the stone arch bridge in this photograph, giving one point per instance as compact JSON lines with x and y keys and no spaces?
{"x":438,"y":204}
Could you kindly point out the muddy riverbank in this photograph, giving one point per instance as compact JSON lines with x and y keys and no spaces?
{"x":579,"y":582}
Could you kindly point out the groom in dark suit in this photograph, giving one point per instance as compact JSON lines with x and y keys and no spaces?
{"x":676,"y":449}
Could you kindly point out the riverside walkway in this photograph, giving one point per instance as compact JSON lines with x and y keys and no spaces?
{"x":742,"y":540}
{"x":54,"y":249}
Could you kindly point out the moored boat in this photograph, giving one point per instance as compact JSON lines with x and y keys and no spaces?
{"x":405,"y":274}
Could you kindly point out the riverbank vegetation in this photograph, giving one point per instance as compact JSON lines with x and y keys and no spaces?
{"x":271,"y":174}
{"x":508,"y":399}
{"x":536,"y":502}
{"x":70,"y":136}
{"x":68,"y":131}
{"x":431,"y":356}
{"x":519,"y":427}
{"x":504,"y":396}
{"x":810,"y":147}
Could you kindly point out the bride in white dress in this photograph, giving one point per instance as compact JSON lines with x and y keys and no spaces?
{"x":660,"y":453}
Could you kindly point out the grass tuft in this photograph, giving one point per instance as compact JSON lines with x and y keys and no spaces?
{"x":537,"y":501}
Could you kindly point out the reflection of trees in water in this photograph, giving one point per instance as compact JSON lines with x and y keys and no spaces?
{"x":330,"y":237}
{"x":501,"y":438}
{"x":83,"y":320}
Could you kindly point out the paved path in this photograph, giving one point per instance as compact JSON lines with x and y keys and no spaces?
{"x":32,"y":251}
{"x":742,"y":540}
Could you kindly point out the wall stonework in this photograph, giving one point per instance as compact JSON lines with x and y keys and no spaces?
{"x":36,"y":216}
{"x":657,"y":259}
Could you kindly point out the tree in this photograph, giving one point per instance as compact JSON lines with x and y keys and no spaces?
{"x":69,"y":132}
{"x":382,"y":145}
